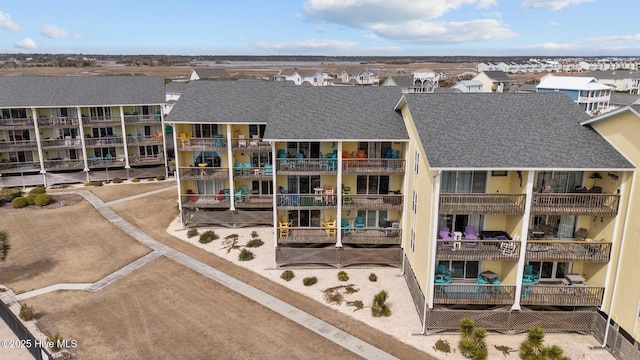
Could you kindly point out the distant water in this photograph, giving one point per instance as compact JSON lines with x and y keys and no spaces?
{"x":275,"y":63}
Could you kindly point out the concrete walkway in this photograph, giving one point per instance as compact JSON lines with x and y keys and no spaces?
{"x":310,"y":322}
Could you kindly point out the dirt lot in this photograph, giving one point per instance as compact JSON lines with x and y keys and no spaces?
{"x":162,"y":310}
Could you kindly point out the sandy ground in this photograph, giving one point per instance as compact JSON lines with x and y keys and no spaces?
{"x":403,"y":324}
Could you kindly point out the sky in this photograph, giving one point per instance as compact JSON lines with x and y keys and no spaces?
{"x":322,"y":27}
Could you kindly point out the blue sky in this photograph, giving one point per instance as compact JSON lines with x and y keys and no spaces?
{"x":322,"y":27}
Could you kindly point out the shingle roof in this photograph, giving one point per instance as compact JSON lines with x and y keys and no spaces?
{"x":60,"y":91}
{"x":489,"y":131}
{"x":295,"y":112}
{"x":498,"y":76}
{"x":571,"y":83}
{"x":211,"y":73}
{"x":403,"y":81}
{"x":175,"y":87}
{"x":613,"y":74}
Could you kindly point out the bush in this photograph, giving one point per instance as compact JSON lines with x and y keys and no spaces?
{"x":254,"y":234}
{"x":96,"y":183}
{"x":245,"y":255}
{"x":42,"y":199}
{"x":192,"y":232}
{"x":308,"y":281}
{"x":373,"y":277}
{"x":19,"y":202}
{"x":7,"y":195}
{"x":160,"y":177}
{"x":342,"y":276}
{"x":88,"y":183}
{"x":31,"y":199}
{"x":255,"y":243}
{"x":116,"y":180}
{"x":27,"y":312}
{"x":53,"y":341}
{"x":135,"y":180}
{"x":287,"y":275}
{"x":38,"y":190}
{"x":379,"y":308}
{"x":208,"y":236}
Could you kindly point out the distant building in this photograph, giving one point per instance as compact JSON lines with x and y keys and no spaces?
{"x":418,"y":82}
{"x":302,"y":77}
{"x":468,"y":86}
{"x":494,"y":81}
{"x":209,"y":74}
{"x":619,"y":80}
{"x":587,"y":92}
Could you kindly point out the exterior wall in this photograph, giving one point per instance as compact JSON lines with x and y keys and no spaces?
{"x":622,"y":131}
{"x":573,"y":94}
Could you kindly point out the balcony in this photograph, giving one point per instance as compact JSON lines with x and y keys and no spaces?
{"x":253,"y":201}
{"x":306,"y":166}
{"x":58,"y":121}
{"x":255,"y":144}
{"x":62,"y":165}
{"x":205,"y":201}
{"x":203,"y":173}
{"x":367,"y":166}
{"x":142,"y":119}
{"x":321,"y":235}
{"x":153,"y":139}
{"x":61,"y":143}
{"x":141,"y":160}
{"x":476,"y":250}
{"x":504,"y":204}
{"x":12,"y":124}
{"x":474,"y":294}
{"x":568,"y":250}
{"x":100,"y":120}
{"x":575,"y":204}
{"x":305,"y":201}
{"x":202,"y":144}
{"x":104,"y":141}
{"x":22,"y":145}
{"x":390,"y":201}
{"x":252,"y":173}
{"x":372,"y":236}
{"x":10,"y":167}
{"x":562,"y":295}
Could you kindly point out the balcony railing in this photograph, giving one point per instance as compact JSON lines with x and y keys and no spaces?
{"x":105,"y":141}
{"x":58,"y":121}
{"x":575,"y":204}
{"x":203,"y":173}
{"x":475,"y":250}
{"x":562,"y":295}
{"x":204,"y":201}
{"x":372,"y":236}
{"x":19,"y":167}
{"x":296,"y":201}
{"x":135,"y":118}
{"x":372,"y":201}
{"x":245,"y":201}
{"x":19,"y":145}
{"x":60,"y":165}
{"x":324,"y":235}
{"x":568,"y":250}
{"x":253,"y":144}
{"x":307,"y":235}
{"x":507,"y":204}
{"x":368,"y":166}
{"x":201,"y":144}
{"x":100,"y":120}
{"x":449,"y":294}
{"x":146,"y":159}
{"x":59,"y":143}
{"x":16,"y":123}
{"x":153,"y":139}
{"x":306,"y":166}
{"x":252,"y":173}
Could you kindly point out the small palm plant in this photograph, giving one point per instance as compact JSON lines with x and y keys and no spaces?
{"x":533,"y":348}
{"x":473,"y":344}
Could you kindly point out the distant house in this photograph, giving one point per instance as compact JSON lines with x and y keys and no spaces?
{"x":302,"y":77}
{"x":526,"y":88}
{"x":363,"y":77}
{"x":587,"y":92}
{"x":418,"y":82}
{"x":619,"y":80}
{"x":494,"y":81}
{"x":172,"y":92}
{"x":468,"y":86}
{"x":208,"y":74}
{"x":619,"y":100}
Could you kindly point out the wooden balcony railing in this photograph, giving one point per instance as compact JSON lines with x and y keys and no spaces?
{"x":367,"y":166}
{"x":58,"y":121}
{"x":568,"y":250}
{"x":204,"y":201}
{"x":135,"y":118}
{"x":246,"y":201}
{"x":450,"y":294}
{"x":59,"y":165}
{"x":372,"y":202}
{"x":254,"y":144}
{"x":252,"y":173}
{"x":575,"y":204}
{"x":10,"y":167}
{"x":372,"y":236}
{"x":306,"y":235}
{"x":475,"y":250}
{"x":324,"y":235}
{"x":59,"y":143}
{"x":146,"y":159}
{"x":304,"y":166}
{"x":202,"y":144}
{"x":100,"y":120}
{"x":562,"y":295}
{"x":16,"y":123}
{"x":507,"y":204}
{"x":296,"y":201}
{"x":105,"y":141}
{"x":203,"y":173}
{"x":19,"y":145}
{"x":155,"y":138}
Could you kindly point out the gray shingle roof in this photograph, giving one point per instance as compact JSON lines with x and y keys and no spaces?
{"x":67,"y":91}
{"x":498,"y":76}
{"x":489,"y":131}
{"x":211,"y":73}
{"x":295,"y":112}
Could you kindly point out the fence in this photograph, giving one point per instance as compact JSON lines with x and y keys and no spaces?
{"x":18,"y":328}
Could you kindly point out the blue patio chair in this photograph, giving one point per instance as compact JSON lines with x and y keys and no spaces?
{"x":359,"y":223}
{"x":268,"y":169}
{"x":530,"y":274}
{"x":237,"y":169}
{"x":247,"y":169}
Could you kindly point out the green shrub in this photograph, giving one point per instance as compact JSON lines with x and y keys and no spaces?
{"x":208,"y":236}
{"x":31,"y":199}
{"x":342,"y":276}
{"x":308,"y":281}
{"x":116,"y":180}
{"x":192,"y":232}
{"x":7,"y":195}
{"x":254,"y":234}
{"x":255,"y":243}
{"x":42,"y":199}
{"x":245,"y":255}
{"x":135,"y":180}
{"x":151,"y":179}
{"x":379,"y":308}
{"x":373,"y":277}
{"x":38,"y":190}
{"x":88,"y":183}
{"x":96,"y":183}
{"x":287,"y":275}
{"x":19,"y":202}
{"x":160,"y":177}
{"x":27,"y":312}
{"x":443,"y":345}
{"x":54,"y":340}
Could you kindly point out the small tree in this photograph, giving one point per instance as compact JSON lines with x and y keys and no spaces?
{"x":473,"y":344}
{"x":533,"y":348}
{"x":379,"y":308}
{"x":4,"y":245}
{"x":27,"y":312}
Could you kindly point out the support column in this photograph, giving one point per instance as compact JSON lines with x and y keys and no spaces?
{"x":82,"y":141}
{"x":524,"y":234}
{"x":38,"y":140}
{"x":232,"y":180}
{"x":339,"y":195}
{"x":124,"y":138}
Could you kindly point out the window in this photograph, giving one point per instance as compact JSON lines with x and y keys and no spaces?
{"x":373,"y":218}
{"x":305,"y":218}
{"x":551,"y":270}
{"x":375,"y":150}
{"x":205,"y":130}
{"x":302,"y":184}
{"x":96,"y":113}
{"x":458,"y":222}
{"x":102,"y":132}
{"x":372,"y":184}
{"x":18,"y":135}
{"x":14,"y":113}
{"x":257,"y":130}
{"x":150,"y":150}
{"x":561,"y":181}
{"x":263,"y":187}
{"x":21,"y":156}
{"x":417,"y":162}
{"x":414,"y":202}
{"x":464,"y":182}
{"x":413,"y":241}
{"x":308,"y":149}
{"x":462,"y":269}
{"x":102,"y":152}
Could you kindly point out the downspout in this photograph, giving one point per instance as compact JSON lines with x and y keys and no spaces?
{"x":434,"y":247}
{"x":615,"y":279}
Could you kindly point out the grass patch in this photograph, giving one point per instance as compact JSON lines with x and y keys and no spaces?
{"x":208,"y":236}
{"x":254,"y":243}
{"x":308,"y":281}
{"x":287,"y":275}
{"x":245,"y":255}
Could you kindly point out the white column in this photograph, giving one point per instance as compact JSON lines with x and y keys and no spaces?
{"x":232,"y":180}
{"x":124,"y":138}
{"x":38,"y":140}
{"x":432,"y":236}
{"x":274,"y":198}
{"x":164,"y":142}
{"x":339,"y":195}
{"x":524,"y":233}
{"x":82,"y":141}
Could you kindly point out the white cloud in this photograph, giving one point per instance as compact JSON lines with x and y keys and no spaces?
{"x":446,"y":32}
{"x":635,"y":37}
{"x":549,"y":46}
{"x":56,"y":32}
{"x":484,"y":4}
{"x":7,"y":24}
{"x":27,"y":44}
{"x":553,"y":24}
{"x":309,"y":46}
{"x":551,"y":4}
